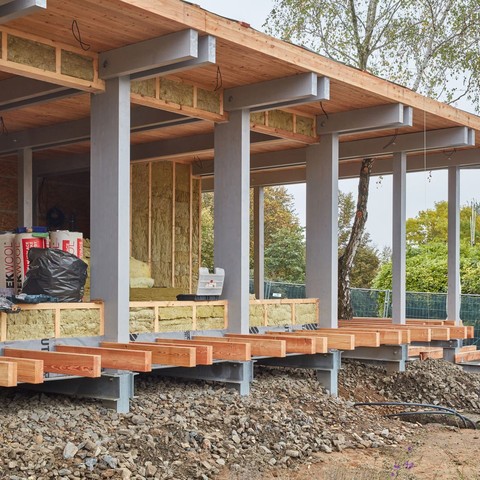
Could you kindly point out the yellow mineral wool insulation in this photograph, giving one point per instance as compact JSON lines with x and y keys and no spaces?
{"x":279,"y":315}
{"x":257,"y":315}
{"x":162,"y":223}
{"x":139,"y":269}
{"x":80,"y":323}
{"x":142,"y":320}
{"x":141,"y":282}
{"x":140,"y":212}
{"x":30,"y":324}
{"x":305,"y":313}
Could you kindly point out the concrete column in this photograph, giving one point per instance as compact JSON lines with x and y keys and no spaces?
{"x":259,"y":241}
{"x":454,"y":289}
{"x":399,"y":237}
{"x":110,"y":204}
{"x":232,"y":214}
{"x":25,"y":188}
{"x":322,"y":228}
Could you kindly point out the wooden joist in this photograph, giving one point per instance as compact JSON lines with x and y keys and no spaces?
{"x":458,"y":332}
{"x":322,"y":342}
{"x":363,"y":338}
{"x":386,"y":334}
{"x":204,"y":352}
{"x":8,"y":374}
{"x":136,"y":361}
{"x":339,"y":341}
{"x":262,"y":345}
{"x":470,"y":331}
{"x":417,"y":334}
{"x":234,"y":351}
{"x":76,"y":364}
{"x":425,"y":353}
{"x":472,"y":356}
{"x":300,"y":343}
{"x":387,"y":337}
{"x":28,"y":370}
{"x":468,"y":348}
{"x":161,"y":354}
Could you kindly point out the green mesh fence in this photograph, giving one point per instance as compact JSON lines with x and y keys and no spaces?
{"x":378,"y":303}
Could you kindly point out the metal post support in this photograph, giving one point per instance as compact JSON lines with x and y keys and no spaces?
{"x":110,"y":204}
{"x":259,"y":241}
{"x":322,"y":228}
{"x":25,"y":187}
{"x":237,"y":375}
{"x":391,"y":357}
{"x":454,"y":293}
{"x":399,"y":238}
{"x":232,"y":214}
{"x":114,"y":389}
{"x":325,"y":365}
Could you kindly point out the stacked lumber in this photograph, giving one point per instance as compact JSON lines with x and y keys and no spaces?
{"x":424,"y":353}
{"x":468,"y":353}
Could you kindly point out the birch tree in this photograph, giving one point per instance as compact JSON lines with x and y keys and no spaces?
{"x":430,"y":46}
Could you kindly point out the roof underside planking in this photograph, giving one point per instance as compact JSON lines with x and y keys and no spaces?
{"x":243,"y":56}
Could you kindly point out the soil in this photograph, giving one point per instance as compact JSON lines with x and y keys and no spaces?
{"x":436,"y":452}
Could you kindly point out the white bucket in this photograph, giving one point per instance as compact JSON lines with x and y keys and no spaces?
{"x":23,"y":243}
{"x":71,"y":242}
{"x":7,"y":264}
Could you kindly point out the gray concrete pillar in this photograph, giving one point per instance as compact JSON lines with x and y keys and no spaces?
{"x":110,"y":205}
{"x":259,"y":241}
{"x":399,"y":237}
{"x":454,"y":292}
{"x":232,"y":214}
{"x":322,"y":228}
{"x":25,"y":187}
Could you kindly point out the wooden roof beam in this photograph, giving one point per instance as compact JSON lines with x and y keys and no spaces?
{"x":366,"y":119}
{"x":20,"y":8}
{"x":278,"y":93}
{"x":143,"y":57}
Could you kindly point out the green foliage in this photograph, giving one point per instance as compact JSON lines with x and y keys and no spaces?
{"x":284,"y":238}
{"x":427,"y":253}
{"x":429,"y":46}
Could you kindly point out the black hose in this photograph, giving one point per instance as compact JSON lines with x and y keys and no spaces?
{"x":423,"y":405}
{"x":435,"y":412}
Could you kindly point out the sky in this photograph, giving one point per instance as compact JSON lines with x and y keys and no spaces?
{"x":423,"y":188}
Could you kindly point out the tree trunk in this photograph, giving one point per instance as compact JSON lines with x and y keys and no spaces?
{"x":345,"y":261}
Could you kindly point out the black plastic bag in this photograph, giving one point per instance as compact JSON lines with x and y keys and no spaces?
{"x":55,"y":273}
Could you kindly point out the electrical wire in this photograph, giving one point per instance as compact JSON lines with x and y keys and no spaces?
{"x":78,"y":36}
{"x":219,"y":80}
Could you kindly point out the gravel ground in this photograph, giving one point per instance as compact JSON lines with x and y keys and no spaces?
{"x":188,"y":430}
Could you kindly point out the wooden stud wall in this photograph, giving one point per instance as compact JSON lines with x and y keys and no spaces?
{"x":165,"y":212}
